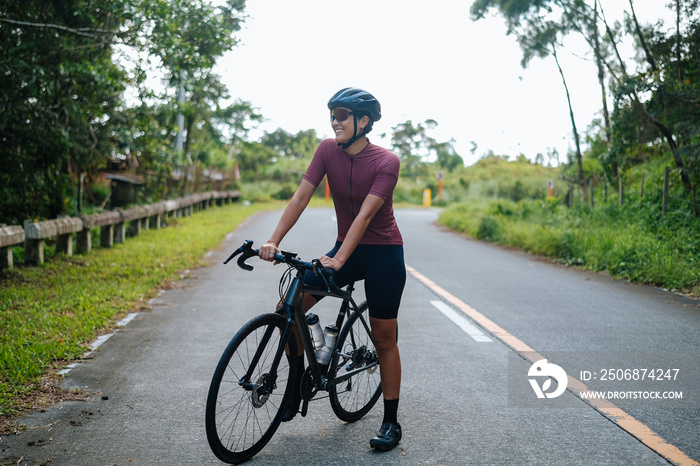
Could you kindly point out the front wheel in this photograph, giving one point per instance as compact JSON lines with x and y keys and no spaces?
{"x":354,"y":370}
{"x":247,"y":394}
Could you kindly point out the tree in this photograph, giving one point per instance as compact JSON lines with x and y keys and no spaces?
{"x":62,"y":105}
{"x":252,"y":157}
{"x":654,"y":103}
{"x":412,"y":144}
{"x":187,"y":37}
{"x":298,"y":146}
{"x":58,"y":94}
{"x":447,"y":156}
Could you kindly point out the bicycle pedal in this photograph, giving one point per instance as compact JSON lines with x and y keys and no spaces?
{"x":304,"y":408}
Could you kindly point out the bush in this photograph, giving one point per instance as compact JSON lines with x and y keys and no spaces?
{"x":626,"y":241}
{"x":285,"y":193}
{"x":488,"y":229}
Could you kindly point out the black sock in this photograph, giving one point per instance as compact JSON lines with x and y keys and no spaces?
{"x":391,"y":408}
{"x":296,"y":394}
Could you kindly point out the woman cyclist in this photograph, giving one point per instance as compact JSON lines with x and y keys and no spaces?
{"x":369,"y":246}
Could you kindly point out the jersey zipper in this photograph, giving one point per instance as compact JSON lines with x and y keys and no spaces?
{"x":352,"y":203}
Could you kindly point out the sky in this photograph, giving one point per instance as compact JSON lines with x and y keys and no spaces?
{"x":421,"y":60}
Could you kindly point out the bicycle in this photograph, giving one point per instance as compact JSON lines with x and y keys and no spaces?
{"x":251,"y":385}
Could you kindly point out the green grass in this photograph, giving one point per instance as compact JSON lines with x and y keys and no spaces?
{"x":629,"y":242}
{"x":50,"y":313}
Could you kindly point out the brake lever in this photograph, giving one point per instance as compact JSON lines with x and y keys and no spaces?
{"x":326,"y":274}
{"x":247,"y":254}
{"x":247,"y":244}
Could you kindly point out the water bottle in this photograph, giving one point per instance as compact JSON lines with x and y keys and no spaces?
{"x":316,"y":331}
{"x":323,"y":356}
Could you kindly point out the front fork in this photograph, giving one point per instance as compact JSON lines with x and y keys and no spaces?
{"x":287,"y":310}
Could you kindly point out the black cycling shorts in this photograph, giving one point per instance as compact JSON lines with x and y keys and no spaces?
{"x":382,"y":268}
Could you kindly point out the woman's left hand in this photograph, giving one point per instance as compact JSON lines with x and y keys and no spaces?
{"x":330,"y":262}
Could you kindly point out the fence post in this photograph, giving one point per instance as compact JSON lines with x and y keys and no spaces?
{"x":107,"y":236}
{"x":642,"y":192}
{"x":590,"y":183}
{"x":120,"y":232}
{"x":33,"y":251}
{"x":9,"y":237}
{"x":64,"y":244}
{"x":664,"y":209}
{"x":84,"y":243}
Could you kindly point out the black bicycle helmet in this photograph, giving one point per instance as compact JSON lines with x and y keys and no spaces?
{"x":361,"y":103}
{"x":357,"y":100}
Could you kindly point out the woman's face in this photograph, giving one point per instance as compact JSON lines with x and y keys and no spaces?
{"x":345,"y":130}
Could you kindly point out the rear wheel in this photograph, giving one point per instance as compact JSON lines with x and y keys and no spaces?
{"x":246,"y":399}
{"x":354,"y":370}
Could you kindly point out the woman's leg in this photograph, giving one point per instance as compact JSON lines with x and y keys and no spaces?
{"x":307,"y":302}
{"x":384,"y":336}
{"x":384,"y":284}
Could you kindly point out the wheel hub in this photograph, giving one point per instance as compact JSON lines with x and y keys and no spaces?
{"x":260,"y":393}
{"x":362,"y":357}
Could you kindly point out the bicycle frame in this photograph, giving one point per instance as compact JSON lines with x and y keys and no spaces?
{"x":292,"y":309}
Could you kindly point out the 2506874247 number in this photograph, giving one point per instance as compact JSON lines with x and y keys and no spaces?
{"x":638,"y":374}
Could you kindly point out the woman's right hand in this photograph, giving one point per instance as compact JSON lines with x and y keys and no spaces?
{"x":267,"y":251}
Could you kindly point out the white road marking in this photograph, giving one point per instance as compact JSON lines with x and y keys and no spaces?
{"x":97,"y":343}
{"x":469,"y":328}
{"x":127,"y":319}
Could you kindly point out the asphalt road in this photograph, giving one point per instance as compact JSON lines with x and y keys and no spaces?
{"x":462,"y":399}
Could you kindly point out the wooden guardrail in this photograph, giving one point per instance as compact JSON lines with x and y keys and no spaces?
{"x":112,"y":224}
{"x":9,"y":236}
{"x":36,"y":232}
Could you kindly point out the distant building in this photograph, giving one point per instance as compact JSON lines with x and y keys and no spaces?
{"x":125,"y":189}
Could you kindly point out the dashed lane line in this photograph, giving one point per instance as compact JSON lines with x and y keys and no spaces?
{"x":469,"y":328}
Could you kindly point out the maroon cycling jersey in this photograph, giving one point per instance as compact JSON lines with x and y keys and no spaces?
{"x":351,"y":178}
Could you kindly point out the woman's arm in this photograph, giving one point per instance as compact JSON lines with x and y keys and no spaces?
{"x":370,"y":207}
{"x":291,"y":214}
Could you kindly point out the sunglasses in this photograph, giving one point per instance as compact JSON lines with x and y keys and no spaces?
{"x":340,"y":114}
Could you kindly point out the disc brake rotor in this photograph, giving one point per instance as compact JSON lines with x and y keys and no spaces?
{"x":259,"y":395}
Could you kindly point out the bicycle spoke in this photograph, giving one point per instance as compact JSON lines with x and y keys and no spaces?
{"x":357,"y":383}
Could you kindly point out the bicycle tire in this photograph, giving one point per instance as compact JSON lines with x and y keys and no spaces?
{"x":240,"y":420}
{"x":351,"y":399}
